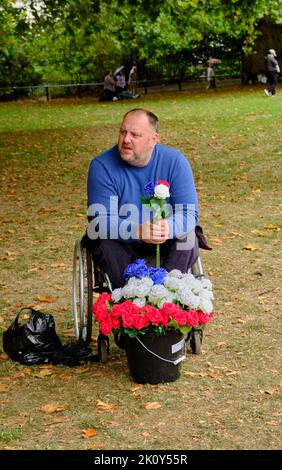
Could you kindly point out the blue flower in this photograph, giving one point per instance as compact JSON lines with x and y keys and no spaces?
{"x":157,"y":275}
{"x":136,"y":269}
{"x":150,"y":187}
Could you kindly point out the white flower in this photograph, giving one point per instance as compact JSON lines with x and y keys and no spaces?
{"x":192,"y":282}
{"x":173,"y":283}
{"x":188,"y":298}
{"x":117,"y":294}
{"x":157,"y":293}
{"x":175,"y":273}
{"x":140,"y":302}
{"x":170,"y":298}
{"x":206,"y":284}
{"x":205,"y":305}
{"x":137,"y":287}
{"x":161,"y":191}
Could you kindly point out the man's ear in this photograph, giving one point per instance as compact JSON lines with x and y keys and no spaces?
{"x":155,"y":138}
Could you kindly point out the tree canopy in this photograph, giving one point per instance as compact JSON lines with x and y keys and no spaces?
{"x":76,"y":40}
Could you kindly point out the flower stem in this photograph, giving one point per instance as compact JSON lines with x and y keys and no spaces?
{"x":158,"y":256}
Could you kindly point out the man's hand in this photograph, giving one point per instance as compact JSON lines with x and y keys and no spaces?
{"x":156,"y":233}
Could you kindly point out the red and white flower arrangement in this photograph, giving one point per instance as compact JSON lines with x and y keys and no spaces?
{"x":154,"y":301}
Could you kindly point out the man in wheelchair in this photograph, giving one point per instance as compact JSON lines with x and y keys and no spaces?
{"x":120,"y":229}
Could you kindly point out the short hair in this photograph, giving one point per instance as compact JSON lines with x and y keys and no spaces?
{"x":153,"y":119}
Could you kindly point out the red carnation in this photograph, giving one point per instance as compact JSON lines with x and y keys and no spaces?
{"x":204,"y":318}
{"x":106,"y":327}
{"x":165,"y":183}
{"x":140,"y":321}
{"x":192,"y":318}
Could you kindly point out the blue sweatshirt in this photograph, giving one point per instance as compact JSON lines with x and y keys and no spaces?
{"x":114,"y":189}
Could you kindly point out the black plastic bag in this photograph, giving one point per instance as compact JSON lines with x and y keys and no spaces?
{"x":33,"y":342}
{"x":36,"y":342}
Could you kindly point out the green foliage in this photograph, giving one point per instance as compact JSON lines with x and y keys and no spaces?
{"x":77,"y":40}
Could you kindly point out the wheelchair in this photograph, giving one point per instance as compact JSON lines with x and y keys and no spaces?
{"x":88,"y":280}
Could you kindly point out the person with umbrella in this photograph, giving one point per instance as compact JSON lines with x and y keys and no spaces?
{"x":211,"y":72}
{"x":120,"y":80}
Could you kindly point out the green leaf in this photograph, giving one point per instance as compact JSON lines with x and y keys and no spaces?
{"x":145,"y":201}
{"x":185,"y":329}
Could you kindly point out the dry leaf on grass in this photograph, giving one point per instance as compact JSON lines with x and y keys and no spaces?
{"x":274,"y":228}
{"x":4,"y":388}
{"x":52,"y":408}
{"x":80,"y":370}
{"x":3,"y":357}
{"x":43,"y":373}
{"x":136,"y":387}
{"x":152,"y":405}
{"x":107,"y":407}
{"x":269,"y":391}
{"x":213,"y":374}
{"x":47,"y":298}
{"x":95,"y":446}
{"x":87,"y":433}
{"x":249,"y":247}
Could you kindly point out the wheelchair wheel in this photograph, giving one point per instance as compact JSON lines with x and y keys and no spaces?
{"x":82,"y":293}
{"x":196,"y":341}
{"x":103,"y":348}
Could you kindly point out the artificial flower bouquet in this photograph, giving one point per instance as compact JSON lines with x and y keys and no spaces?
{"x":154,"y":301}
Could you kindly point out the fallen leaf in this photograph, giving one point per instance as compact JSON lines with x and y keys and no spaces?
{"x":107,"y":407}
{"x":4,"y":388}
{"x":80,"y":370}
{"x":94,"y":446}
{"x":270,"y":391}
{"x":87,"y":433}
{"x":233,"y":372}
{"x":43,"y":373}
{"x":153,"y":405}
{"x":216,"y":241}
{"x":47,"y":298}
{"x":274,"y":228}
{"x":272,"y":423}
{"x":213,"y":373}
{"x":136,"y":387}
{"x":58,"y":265}
{"x":250,"y":247}
{"x":52,"y":408}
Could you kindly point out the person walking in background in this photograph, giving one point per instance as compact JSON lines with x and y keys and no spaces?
{"x":211,"y":76}
{"x":272,"y":70}
{"x":132,"y":79}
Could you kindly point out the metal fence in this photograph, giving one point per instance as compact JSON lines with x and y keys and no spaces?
{"x":78,"y":90}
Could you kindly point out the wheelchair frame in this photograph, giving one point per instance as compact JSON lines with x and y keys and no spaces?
{"x":89,"y":279}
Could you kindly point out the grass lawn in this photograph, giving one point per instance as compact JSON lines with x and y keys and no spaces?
{"x":226,"y":398}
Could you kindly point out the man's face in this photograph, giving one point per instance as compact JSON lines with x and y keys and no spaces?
{"x":137,"y":139}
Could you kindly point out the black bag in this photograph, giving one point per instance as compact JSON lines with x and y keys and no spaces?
{"x":201,"y":238}
{"x":33,"y":342}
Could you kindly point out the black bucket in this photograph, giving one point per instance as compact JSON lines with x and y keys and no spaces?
{"x":155,"y":359}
